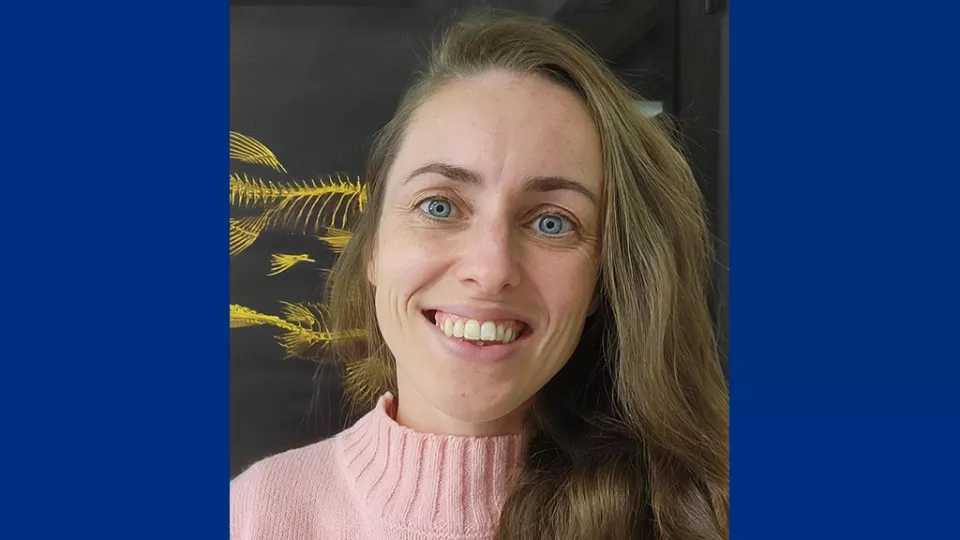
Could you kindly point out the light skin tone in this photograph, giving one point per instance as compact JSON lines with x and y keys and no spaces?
{"x":491,"y":209}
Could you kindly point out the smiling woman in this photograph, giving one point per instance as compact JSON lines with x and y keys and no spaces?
{"x":531,"y":274}
{"x":474,"y":236}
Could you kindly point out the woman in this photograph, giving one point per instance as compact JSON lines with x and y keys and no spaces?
{"x":531,"y":271}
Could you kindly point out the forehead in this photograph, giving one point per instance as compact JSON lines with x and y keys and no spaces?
{"x":505,"y":127}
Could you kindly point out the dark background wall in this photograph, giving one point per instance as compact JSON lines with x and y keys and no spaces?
{"x":314,"y":80}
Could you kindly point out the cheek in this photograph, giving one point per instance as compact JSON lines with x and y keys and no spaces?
{"x":565,"y":285}
{"x":403,"y":258}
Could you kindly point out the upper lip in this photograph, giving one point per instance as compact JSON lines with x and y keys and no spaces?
{"x":483,"y":313}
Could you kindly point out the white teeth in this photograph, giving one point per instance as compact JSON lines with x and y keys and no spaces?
{"x":474,"y":330}
{"x":488,"y":331}
{"x":471,"y":330}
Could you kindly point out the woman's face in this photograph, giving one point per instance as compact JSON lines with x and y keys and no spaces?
{"x":487,"y":252}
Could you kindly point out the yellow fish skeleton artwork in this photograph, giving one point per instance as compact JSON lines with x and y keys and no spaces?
{"x":303,"y":324}
{"x":281,"y":262}
{"x":298,"y":206}
{"x":301,"y":197}
{"x":244,"y":232}
{"x":321,"y":208}
{"x":249,"y":150}
{"x":337,"y":239}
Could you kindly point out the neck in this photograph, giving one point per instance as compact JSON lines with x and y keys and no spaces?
{"x":416,"y":413}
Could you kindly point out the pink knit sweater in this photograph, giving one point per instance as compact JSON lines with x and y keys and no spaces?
{"x":376,"y":480}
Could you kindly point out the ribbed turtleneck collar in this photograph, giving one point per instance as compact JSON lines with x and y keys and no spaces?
{"x":423,"y":482}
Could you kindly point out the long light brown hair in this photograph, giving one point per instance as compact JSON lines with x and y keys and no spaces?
{"x":630,"y":438}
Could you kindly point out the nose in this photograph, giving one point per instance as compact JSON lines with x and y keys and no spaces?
{"x":488,"y":262}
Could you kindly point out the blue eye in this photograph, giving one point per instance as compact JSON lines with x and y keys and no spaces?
{"x":438,"y":208}
{"x":552,"y":225}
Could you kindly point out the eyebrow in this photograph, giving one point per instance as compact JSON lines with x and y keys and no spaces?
{"x":541,"y":184}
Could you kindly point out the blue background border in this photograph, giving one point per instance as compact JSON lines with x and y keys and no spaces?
{"x":114,"y":389}
{"x":843,"y":282}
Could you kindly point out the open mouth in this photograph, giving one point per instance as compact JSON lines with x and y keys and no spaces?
{"x":478,"y":333}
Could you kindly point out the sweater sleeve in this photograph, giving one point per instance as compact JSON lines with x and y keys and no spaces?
{"x":278,"y":497}
{"x":246,"y":502}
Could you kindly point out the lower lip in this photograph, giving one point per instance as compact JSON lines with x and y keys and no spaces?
{"x":464,"y":350}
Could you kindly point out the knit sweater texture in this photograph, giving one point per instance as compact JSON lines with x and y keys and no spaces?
{"x":377,"y":480}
